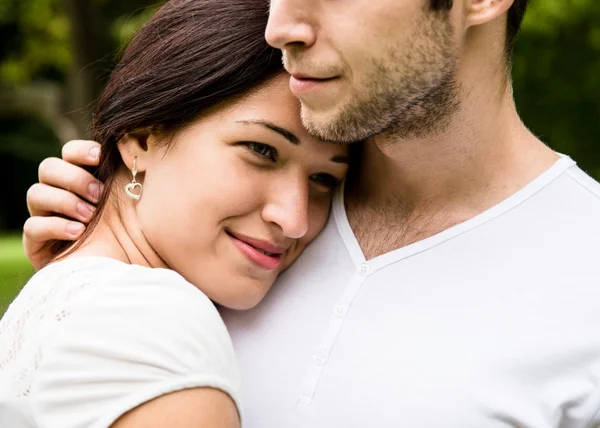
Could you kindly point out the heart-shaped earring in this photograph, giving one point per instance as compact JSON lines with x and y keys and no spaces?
{"x":130,"y":188}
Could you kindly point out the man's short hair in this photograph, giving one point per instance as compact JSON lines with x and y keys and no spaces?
{"x":515,"y":18}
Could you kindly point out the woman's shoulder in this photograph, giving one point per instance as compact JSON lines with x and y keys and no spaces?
{"x":124,"y":299}
{"x":143,"y":285}
{"x":130,"y":334}
{"x":96,"y":286}
{"x":86,"y":281}
{"x":141,"y":297}
{"x":148,"y":312}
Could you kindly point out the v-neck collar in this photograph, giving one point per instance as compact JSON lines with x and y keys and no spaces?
{"x":383,"y":260}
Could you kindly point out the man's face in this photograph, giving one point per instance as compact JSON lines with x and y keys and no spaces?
{"x":363,"y":67}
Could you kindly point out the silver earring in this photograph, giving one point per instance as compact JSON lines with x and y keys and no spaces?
{"x":130,"y":189}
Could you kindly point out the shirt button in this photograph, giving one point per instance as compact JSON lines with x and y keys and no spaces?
{"x":364,"y":269}
{"x":305,"y":400}
{"x":320,"y":359}
{"x":340,"y":310}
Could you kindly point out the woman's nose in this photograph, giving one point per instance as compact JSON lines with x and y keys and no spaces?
{"x":287,"y":207}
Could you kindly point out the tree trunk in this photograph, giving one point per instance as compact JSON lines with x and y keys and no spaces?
{"x":40,"y":99}
{"x":91,"y":47}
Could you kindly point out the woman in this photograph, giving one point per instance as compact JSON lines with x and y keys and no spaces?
{"x":212,"y":188}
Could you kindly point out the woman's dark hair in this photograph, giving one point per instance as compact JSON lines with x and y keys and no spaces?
{"x":189,"y":57}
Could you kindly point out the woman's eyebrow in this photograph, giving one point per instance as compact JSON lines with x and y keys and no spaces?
{"x":341,"y":159}
{"x":290,"y":136}
{"x":269,"y":125}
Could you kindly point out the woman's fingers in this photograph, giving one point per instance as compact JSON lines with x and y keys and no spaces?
{"x":39,"y":232}
{"x":58,"y":173}
{"x":81,"y":152}
{"x":63,"y":184}
{"x":44,"y":200}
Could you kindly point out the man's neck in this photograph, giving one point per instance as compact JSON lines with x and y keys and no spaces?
{"x":408,"y":190}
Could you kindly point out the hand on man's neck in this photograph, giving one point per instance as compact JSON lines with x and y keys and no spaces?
{"x":409,"y":189}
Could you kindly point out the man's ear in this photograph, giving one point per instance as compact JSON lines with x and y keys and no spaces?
{"x":482,"y":11}
{"x":134,"y":145}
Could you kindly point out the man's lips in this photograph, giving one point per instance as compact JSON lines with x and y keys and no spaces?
{"x":262,"y":253}
{"x":302,"y":84}
{"x":303,"y":76}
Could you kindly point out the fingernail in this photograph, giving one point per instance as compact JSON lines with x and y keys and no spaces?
{"x":94,"y":190}
{"x":74,"y":229}
{"x":86,"y":210}
{"x":95,"y":153}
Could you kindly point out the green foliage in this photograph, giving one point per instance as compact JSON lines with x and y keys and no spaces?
{"x":35,"y":35}
{"x":28,"y":138}
{"x":557,"y":77}
{"x":125,"y":26}
{"x":40,"y":44}
{"x":15,"y":270}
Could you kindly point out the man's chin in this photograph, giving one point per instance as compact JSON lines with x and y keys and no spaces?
{"x":327,"y":126}
{"x":333,"y":127}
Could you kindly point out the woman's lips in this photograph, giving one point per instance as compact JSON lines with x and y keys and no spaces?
{"x":257,"y":254}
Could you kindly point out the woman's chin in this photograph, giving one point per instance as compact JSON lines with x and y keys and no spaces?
{"x":241,"y":303}
{"x":242,"y":296}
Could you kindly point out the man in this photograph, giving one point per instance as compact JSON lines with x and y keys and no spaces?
{"x":455,"y":283}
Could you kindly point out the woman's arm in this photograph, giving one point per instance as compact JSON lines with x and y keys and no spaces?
{"x":192,"y":408}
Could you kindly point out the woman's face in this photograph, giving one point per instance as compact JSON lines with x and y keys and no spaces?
{"x":239,"y":194}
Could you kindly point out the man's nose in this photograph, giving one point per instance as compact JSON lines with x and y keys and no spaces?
{"x":290,"y":24}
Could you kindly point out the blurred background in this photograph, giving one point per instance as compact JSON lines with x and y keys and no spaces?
{"x":55,"y":56}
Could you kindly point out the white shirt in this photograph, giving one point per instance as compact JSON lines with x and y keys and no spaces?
{"x":493,"y":323}
{"x":89,"y":339}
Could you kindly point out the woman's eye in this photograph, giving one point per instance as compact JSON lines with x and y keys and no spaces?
{"x":263,"y":150}
{"x":326,"y":180}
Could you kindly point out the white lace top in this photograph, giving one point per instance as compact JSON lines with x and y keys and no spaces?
{"x":89,"y":339}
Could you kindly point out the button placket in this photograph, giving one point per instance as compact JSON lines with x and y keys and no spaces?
{"x":339,"y":313}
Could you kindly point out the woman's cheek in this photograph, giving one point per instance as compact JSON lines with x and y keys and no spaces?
{"x":318,"y":214}
{"x":235,"y":181}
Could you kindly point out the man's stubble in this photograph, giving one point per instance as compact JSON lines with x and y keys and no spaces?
{"x":407,"y":93}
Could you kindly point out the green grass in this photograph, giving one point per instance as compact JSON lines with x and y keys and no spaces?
{"x":15,"y":270}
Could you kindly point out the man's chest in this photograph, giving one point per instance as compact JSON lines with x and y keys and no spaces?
{"x":445,"y":337}
{"x":381,"y":230}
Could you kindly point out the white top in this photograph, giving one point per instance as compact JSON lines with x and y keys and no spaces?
{"x":89,"y":339}
{"x":493,"y":323}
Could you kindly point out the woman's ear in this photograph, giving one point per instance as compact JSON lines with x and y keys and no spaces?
{"x":481,"y":11}
{"x":134,"y":145}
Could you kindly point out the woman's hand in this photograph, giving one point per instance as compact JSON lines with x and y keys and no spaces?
{"x":65,"y":190}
